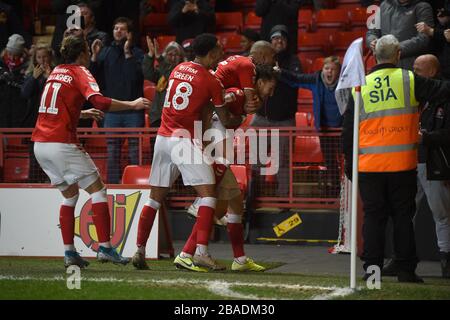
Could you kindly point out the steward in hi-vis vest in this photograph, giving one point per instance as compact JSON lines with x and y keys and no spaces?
{"x":390,"y":101}
{"x":387,"y":154}
{"x":389,"y":122}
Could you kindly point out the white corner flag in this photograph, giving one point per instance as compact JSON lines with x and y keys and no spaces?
{"x":352,"y":76}
{"x":352,"y":73}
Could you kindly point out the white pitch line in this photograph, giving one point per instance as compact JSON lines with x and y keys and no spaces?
{"x":221,"y":288}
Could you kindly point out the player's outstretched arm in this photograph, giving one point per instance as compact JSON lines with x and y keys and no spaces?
{"x":112,"y":105}
{"x":138,"y":104}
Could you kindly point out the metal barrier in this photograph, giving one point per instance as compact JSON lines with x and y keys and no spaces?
{"x":310,"y":163}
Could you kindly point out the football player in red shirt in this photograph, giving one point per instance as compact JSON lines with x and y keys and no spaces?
{"x":58,"y":151}
{"x":230,"y":198}
{"x":191,"y":89}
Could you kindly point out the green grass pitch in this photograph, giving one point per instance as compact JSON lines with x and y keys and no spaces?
{"x":37,"y":278}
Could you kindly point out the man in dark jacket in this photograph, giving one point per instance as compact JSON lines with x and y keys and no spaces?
{"x":440,"y":39}
{"x":399,"y":17}
{"x":276,"y":12}
{"x":190,"y":18}
{"x":279,"y":110}
{"x":433,"y":170}
{"x":120,"y":68}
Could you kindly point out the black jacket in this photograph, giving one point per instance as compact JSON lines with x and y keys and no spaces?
{"x":274,"y":12}
{"x":431,"y":90}
{"x":435,"y":147}
{"x":189,"y":25}
{"x":283,"y":104}
{"x":442,"y":48}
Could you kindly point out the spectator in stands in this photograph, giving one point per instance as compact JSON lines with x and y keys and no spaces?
{"x":13,"y":64}
{"x":399,"y":17}
{"x":276,"y":12}
{"x":433,"y":176}
{"x":440,"y":39}
{"x":326,"y":111}
{"x":90,"y":30}
{"x":40,"y":67}
{"x":9,"y":23}
{"x":60,"y":9}
{"x":190,"y":18}
{"x":279,"y":110}
{"x":248,"y":38}
{"x":167,"y":61}
{"x":120,"y":67}
{"x":189,"y":54}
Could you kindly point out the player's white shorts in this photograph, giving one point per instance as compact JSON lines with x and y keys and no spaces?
{"x":175,"y":155}
{"x":65,"y":164}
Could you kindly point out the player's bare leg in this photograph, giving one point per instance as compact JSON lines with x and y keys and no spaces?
{"x":146,"y":220}
{"x":102,"y":221}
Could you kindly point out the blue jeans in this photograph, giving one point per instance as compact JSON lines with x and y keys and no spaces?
{"x":133,"y":119}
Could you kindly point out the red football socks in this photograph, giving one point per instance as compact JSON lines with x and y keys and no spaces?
{"x":102,"y":221}
{"x":145,"y":225}
{"x":67,"y":223}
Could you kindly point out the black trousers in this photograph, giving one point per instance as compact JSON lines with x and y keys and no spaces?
{"x":383,"y":195}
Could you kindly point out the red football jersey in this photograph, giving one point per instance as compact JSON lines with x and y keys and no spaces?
{"x":191,"y":87}
{"x":66,"y":89}
{"x":237,"y":72}
{"x":236,"y":107}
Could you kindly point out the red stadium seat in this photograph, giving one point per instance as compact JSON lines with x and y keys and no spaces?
{"x":307,"y":153}
{"x":231,"y":42}
{"x":358,"y":19}
{"x":347,"y":4}
{"x":16,"y":169}
{"x":306,"y":64}
{"x":229,"y":21}
{"x":163,"y":41}
{"x":304,"y":97}
{"x":332,"y":20}
{"x":313,"y":45}
{"x":240,"y":172}
{"x":342,"y":40}
{"x":154,"y":24}
{"x":149,"y":90}
{"x":252,"y":21}
{"x":95,"y":145}
{"x":305,"y":19}
{"x":303,"y":119}
{"x":134,"y":174}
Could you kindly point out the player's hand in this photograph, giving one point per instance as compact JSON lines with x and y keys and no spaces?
{"x":252,"y":106}
{"x":38,"y":71}
{"x":140,"y":103}
{"x":447,"y":35}
{"x":92,"y":114}
{"x":229,"y":97}
{"x":422,"y":27}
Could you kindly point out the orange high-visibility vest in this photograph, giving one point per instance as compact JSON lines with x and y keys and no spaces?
{"x":389,"y":122}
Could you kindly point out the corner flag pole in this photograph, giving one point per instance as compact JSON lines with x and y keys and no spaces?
{"x":354,"y":211}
